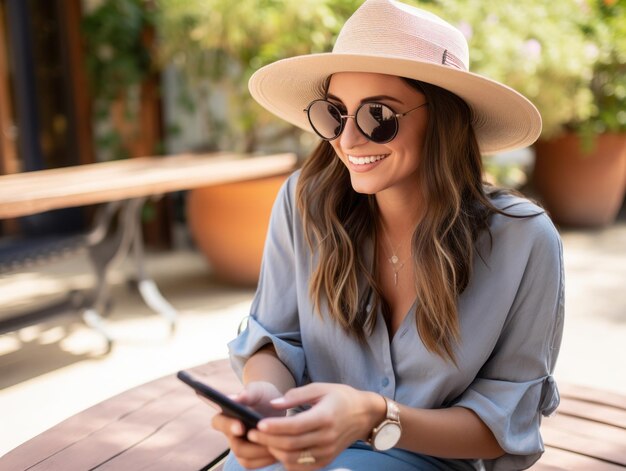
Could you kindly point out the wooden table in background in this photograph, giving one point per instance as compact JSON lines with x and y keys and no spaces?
{"x":124,"y":186}
{"x":27,"y":193}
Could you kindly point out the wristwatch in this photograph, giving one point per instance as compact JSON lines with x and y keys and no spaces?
{"x":387,"y":434}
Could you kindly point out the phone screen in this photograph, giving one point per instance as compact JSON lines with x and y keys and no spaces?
{"x":248,"y":417}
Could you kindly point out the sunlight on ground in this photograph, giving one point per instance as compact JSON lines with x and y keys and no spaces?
{"x":144,"y":350}
{"x":8,"y":344}
{"x":57,"y":368}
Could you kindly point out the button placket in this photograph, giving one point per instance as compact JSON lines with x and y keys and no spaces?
{"x":388,"y":381}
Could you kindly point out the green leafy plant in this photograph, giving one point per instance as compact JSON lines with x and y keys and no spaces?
{"x":606,"y":29}
{"x":568,"y":57}
{"x":216,"y":45}
{"x":539,"y":48}
{"x":119,"y":58}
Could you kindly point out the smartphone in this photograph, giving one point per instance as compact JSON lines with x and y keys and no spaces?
{"x":248,"y":417}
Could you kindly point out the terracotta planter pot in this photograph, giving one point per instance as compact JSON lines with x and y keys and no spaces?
{"x":581,"y":189}
{"x":229,"y":223}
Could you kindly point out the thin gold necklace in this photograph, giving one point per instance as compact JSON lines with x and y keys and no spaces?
{"x":396,"y":263}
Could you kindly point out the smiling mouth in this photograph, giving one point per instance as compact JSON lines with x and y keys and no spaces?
{"x":366,"y":160}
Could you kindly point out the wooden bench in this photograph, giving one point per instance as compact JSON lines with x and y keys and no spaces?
{"x":162,"y":425}
{"x":588,"y":432}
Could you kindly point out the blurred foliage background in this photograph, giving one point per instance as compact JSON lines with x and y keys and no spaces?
{"x":567,"y":56}
{"x":216,"y":45}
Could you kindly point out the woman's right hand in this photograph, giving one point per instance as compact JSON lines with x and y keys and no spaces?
{"x":256,"y":395}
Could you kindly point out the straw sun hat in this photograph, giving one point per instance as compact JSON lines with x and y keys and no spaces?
{"x":389,"y":37}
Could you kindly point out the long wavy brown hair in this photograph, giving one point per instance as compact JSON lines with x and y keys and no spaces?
{"x":341,"y":223}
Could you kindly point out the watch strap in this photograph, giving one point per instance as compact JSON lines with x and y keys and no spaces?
{"x":393,"y":411}
{"x":392,"y":415}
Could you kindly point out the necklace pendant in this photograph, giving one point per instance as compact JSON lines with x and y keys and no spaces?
{"x":395,"y":278}
{"x":393,"y":259}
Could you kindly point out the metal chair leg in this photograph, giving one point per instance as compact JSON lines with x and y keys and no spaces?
{"x":147,"y":287}
{"x":106,"y":248}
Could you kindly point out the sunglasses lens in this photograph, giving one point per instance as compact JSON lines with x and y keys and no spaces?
{"x":377,"y":121}
{"x":325,"y":119}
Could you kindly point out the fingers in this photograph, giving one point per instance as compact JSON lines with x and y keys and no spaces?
{"x":302,"y":423}
{"x":323,"y":445}
{"x":228,"y":426}
{"x":309,"y":394}
{"x":245,"y":398}
{"x":319,"y":437}
{"x":250,"y":455}
{"x":292,"y":460}
{"x":322,"y":430}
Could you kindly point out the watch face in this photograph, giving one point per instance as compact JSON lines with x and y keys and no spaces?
{"x":387,"y":437}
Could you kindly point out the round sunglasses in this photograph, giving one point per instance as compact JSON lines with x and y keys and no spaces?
{"x":376,"y":121}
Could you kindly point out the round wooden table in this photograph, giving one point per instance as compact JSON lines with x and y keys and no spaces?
{"x":162,"y":425}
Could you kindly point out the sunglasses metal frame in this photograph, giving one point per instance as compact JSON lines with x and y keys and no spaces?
{"x":344,"y":118}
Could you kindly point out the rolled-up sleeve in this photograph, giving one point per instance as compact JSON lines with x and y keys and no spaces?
{"x":274,"y":311}
{"x":515,"y":386}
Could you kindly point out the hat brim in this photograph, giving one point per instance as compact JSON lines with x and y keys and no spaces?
{"x":503,"y":119}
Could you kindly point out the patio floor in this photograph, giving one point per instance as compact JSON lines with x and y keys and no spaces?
{"x":55,"y":369}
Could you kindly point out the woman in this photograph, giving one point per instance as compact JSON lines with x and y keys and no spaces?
{"x":412,"y":315}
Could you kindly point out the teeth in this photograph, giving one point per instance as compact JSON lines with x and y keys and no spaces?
{"x":365,"y":160}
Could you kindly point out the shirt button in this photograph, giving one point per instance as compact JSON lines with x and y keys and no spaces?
{"x":385,"y":382}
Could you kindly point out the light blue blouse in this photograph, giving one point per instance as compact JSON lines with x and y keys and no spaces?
{"x":510,"y":314}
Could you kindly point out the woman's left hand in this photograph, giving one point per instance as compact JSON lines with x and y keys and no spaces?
{"x":339,"y":416}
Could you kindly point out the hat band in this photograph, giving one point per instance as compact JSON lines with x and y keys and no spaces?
{"x":399,"y":45}
{"x":450,"y":59}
